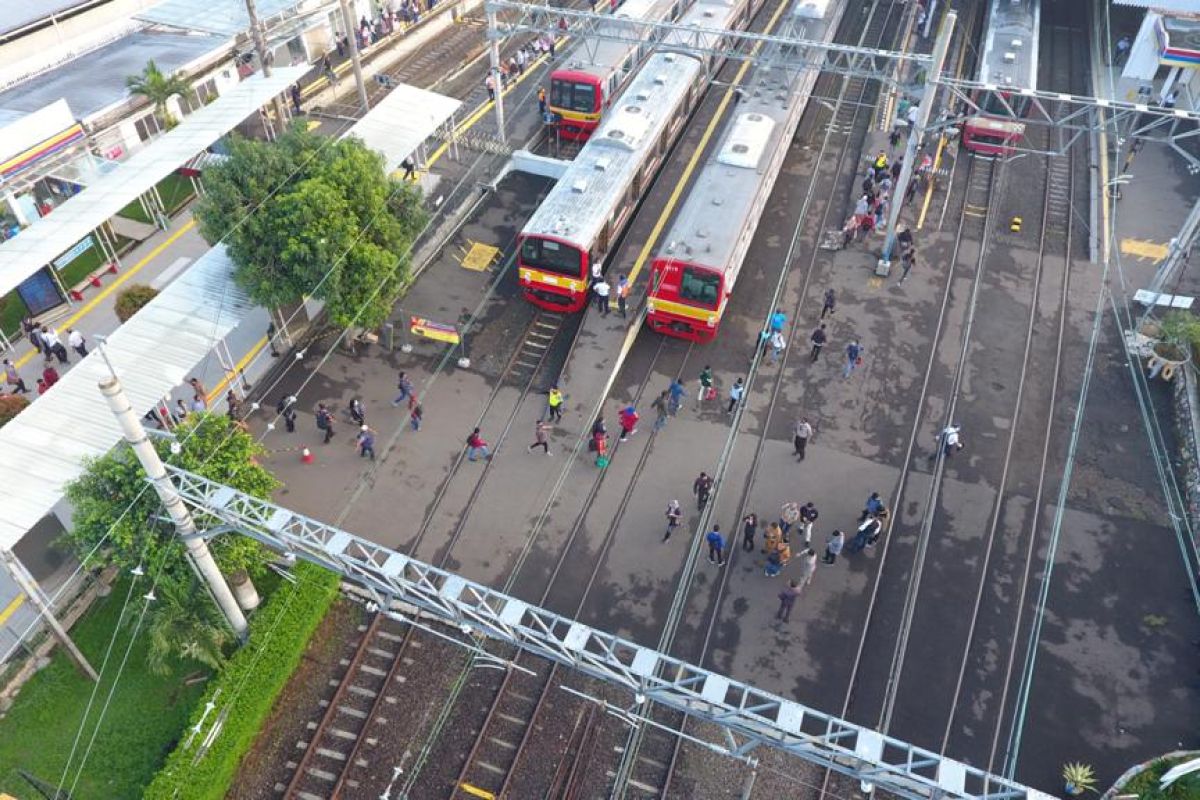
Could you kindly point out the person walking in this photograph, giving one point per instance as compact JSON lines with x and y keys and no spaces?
{"x":907,"y":262}
{"x":702,"y":487}
{"x":628,"y":419}
{"x":622,"y":295}
{"x":324,"y":422}
{"x":410,"y":169}
{"x":286,"y":408}
{"x":675,"y":393}
{"x":54,"y":345}
{"x":716,"y":546}
{"x":777,"y":345}
{"x":707,"y":390}
{"x":830,"y":303}
{"x":749,"y":529}
{"x":777,"y":321}
{"x":736,"y":393}
{"x":294,"y":93}
{"x":233,"y":405}
{"x":554,"y":401}
{"x":834,"y":545}
{"x":406,"y":390}
{"x":808,"y":566}
{"x":674,"y":514}
{"x":415,"y":417}
{"x":357,"y":412}
{"x":476,"y":445}
{"x":817,"y":340}
{"x":787,"y":599}
{"x":854,"y":352}
{"x":789,"y":515}
{"x":50,"y":375}
{"x":868,"y":532}
{"x":540,"y":429}
{"x":601,"y":290}
{"x":77,"y":342}
{"x":1121,"y":52}
{"x":365,"y":442}
{"x":13,"y":378}
{"x":801,"y":433}
{"x":661,"y":414}
{"x":808,"y":517}
{"x":876,"y":507}
{"x":950,"y":440}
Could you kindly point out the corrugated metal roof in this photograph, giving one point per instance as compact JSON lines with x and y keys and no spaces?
{"x":1183,"y":6}
{"x":156,"y":351}
{"x":25,"y":254}
{"x":224,"y":17}
{"x":402,"y":121}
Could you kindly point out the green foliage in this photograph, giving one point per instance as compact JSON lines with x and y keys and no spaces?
{"x":157,"y":87}
{"x":144,"y":720}
{"x":10,"y":406}
{"x":1146,"y":784}
{"x":131,"y":299}
{"x":329,"y":223}
{"x":246,"y":689}
{"x":212,"y":446}
{"x":1181,"y":327}
{"x":181,"y":630}
{"x":1079,"y":778}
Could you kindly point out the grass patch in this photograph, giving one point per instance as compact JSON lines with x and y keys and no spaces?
{"x":175,"y":191}
{"x":144,"y":719}
{"x":87,"y":263}
{"x":12,"y":311}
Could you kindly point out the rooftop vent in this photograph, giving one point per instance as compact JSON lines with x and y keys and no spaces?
{"x":579,"y":186}
{"x":602,"y":164}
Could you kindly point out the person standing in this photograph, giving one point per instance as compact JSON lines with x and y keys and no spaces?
{"x":907,"y":262}
{"x":415,"y":417}
{"x":675,"y":393}
{"x":541,"y":98}
{"x":294,"y":92}
{"x":800,"y":436}
{"x":233,"y":405}
{"x":554,"y":401}
{"x":13,"y":378}
{"x":716,"y":546}
{"x":787,"y":599}
{"x":876,"y":507}
{"x":77,"y":342}
{"x":406,"y":390}
{"x":808,"y":516}
{"x":286,"y":407}
{"x":736,"y":393}
{"x":601,"y":289}
{"x":50,"y":375}
{"x":706,"y":386}
{"x":181,"y":411}
{"x":661,"y":414}
{"x":702,"y":487}
{"x":410,"y":169}
{"x":1121,"y":53}
{"x":817,"y":340}
{"x":808,"y":566}
{"x":628,"y":419}
{"x":476,"y":445}
{"x":622,"y":295}
{"x":830,"y":304}
{"x":42,"y":388}
{"x":198,"y":403}
{"x":200,"y":391}
{"x":539,"y":437}
{"x":357,"y":412}
{"x":834,"y":545}
{"x":749,"y":529}
{"x":674,"y":514}
{"x":789,"y":515}
{"x":777,"y":345}
{"x":324,"y":422}
{"x":54,"y":345}
{"x":854,"y":352}
{"x":365,"y":441}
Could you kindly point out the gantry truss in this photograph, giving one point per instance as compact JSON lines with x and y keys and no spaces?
{"x":749,"y":716}
{"x":1067,"y":112}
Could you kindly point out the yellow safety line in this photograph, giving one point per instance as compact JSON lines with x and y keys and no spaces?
{"x":669,"y":206}
{"x":11,"y":608}
{"x":112,"y":287}
{"x":937,"y":162}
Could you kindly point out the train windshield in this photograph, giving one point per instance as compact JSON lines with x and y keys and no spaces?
{"x":572,"y":96}
{"x":550,"y":256}
{"x":701,"y":287}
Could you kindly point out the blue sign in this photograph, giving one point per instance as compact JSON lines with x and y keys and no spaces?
{"x":39,"y":292}
{"x":75,"y":252}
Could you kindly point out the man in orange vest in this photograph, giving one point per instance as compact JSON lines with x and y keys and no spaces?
{"x":541,"y":101}
{"x":622,"y":294}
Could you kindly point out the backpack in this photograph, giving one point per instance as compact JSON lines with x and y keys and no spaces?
{"x":323,"y":420}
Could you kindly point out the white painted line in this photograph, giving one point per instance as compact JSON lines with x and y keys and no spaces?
{"x":171,"y":273}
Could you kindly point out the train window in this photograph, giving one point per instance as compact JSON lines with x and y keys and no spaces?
{"x":572,"y":96}
{"x":551,"y":256}
{"x":602,"y":239}
{"x":699,"y":287}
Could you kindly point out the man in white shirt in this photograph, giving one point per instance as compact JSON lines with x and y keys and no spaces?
{"x":601,"y":288}
{"x":77,"y":342}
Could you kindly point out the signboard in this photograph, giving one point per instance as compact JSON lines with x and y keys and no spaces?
{"x":75,"y":252}
{"x":39,"y":292}
{"x":433,"y":330}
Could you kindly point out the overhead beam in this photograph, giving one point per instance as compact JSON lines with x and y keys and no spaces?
{"x":761,"y":718}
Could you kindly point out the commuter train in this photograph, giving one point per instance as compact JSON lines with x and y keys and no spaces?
{"x":582,"y":216}
{"x":693,"y":273}
{"x":1008,"y":61}
{"x":593,"y":73}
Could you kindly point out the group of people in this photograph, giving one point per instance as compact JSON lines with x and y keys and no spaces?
{"x":515,"y":65}
{"x":48,"y":343}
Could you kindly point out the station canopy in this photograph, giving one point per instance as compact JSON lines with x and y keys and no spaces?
{"x":402,"y":122}
{"x":157,"y":350}
{"x":45,"y":240}
{"x":221,"y":17}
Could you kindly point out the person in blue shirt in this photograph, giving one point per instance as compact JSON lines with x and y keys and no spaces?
{"x":778,"y":320}
{"x":677,"y":393}
{"x":716,"y":546}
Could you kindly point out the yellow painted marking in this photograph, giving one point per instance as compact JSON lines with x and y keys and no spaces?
{"x":683,"y":310}
{"x":669,"y":206}
{"x":875,"y":282}
{"x":476,"y":792}
{"x":1142,"y":248}
{"x":112,"y":287}
{"x":480,"y":256}
{"x":11,"y":608}
{"x":554,"y":280}
{"x":937,"y":163}
{"x":215,"y":394}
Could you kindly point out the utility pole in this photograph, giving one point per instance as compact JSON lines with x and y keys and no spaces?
{"x":355,"y":61}
{"x":185,"y":526}
{"x":925,"y":110}
{"x":260,"y":46}
{"x":494,"y":51}
{"x":29,"y":586}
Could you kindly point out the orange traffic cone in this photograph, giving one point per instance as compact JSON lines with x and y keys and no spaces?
{"x":306,"y":456}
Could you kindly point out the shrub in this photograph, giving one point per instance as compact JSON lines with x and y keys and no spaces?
{"x":245,"y":690}
{"x":10,"y":406}
{"x":130,"y":300}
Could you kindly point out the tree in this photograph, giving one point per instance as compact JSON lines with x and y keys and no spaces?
{"x":158,"y":87}
{"x":113,"y":494}
{"x":328,"y":222}
{"x":182,"y":630}
{"x":131,"y":299}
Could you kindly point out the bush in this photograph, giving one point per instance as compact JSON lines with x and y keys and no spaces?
{"x":130,"y":300}
{"x":248,"y":686}
{"x":10,"y":406}
{"x":1145,"y":784}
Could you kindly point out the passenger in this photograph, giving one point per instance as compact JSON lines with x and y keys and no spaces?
{"x":628,"y":419}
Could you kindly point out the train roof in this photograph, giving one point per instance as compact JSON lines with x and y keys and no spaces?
{"x":598,"y":58}
{"x":588,"y":193}
{"x":811,"y":9}
{"x":716,"y":15}
{"x":1010,"y":49}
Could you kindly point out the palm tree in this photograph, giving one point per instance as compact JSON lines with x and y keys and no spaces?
{"x":185,"y":627}
{"x":157,"y":87}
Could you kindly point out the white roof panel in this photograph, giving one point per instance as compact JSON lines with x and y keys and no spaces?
{"x":39,"y":244}
{"x":224,"y":17}
{"x":402,"y":121}
{"x":156,"y":351}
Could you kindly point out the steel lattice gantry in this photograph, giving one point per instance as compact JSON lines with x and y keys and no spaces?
{"x":750,"y":717}
{"x":1068,"y":112}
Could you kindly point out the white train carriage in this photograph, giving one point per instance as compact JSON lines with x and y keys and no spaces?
{"x":1008,"y":63}
{"x":694,"y":272}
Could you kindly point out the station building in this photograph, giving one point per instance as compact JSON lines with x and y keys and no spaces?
{"x":1162,"y":65}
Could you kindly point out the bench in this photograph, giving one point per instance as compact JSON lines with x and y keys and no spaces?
{"x":92,"y":280}
{"x":1146,"y":297}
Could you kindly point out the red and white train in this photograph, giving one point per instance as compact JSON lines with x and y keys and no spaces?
{"x":1008,"y":64}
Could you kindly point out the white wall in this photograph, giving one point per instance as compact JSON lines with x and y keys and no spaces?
{"x":19,"y":136}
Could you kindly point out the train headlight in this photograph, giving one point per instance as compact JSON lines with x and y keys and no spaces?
{"x":650,"y":306}
{"x":711,"y":320}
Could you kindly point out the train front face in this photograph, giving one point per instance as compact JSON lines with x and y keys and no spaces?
{"x":686,"y":300}
{"x":553,"y":272}
{"x":576,"y":98}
